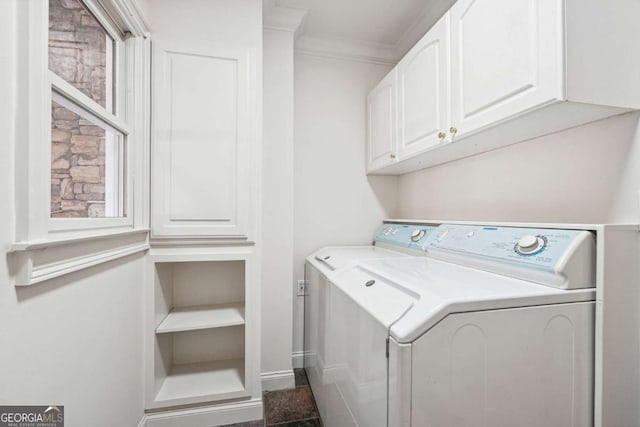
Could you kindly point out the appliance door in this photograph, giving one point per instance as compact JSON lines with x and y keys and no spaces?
{"x":525,"y":367}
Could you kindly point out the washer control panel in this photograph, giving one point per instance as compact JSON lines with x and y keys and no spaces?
{"x":404,"y":235}
{"x":545,"y":255}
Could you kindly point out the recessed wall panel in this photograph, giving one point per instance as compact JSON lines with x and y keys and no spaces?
{"x":203,"y":137}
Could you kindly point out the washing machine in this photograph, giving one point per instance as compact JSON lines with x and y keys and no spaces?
{"x":390,"y":241}
{"x":493,"y":327}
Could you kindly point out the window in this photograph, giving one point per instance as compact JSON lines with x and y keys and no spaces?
{"x":87,"y":164}
{"x":82,"y":135}
{"x":87,"y":155}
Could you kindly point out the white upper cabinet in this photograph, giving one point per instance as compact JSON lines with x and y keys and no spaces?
{"x":203,"y":142}
{"x":506,"y":58}
{"x":423,"y":98}
{"x":381,"y":123}
{"x":492,"y":73}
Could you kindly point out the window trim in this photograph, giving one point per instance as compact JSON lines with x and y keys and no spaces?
{"x":71,"y":98}
{"x":35,"y":230}
{"x":66,"y":90}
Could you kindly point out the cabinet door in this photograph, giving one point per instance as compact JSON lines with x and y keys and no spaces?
{"x":423,"y":92}
{"x":506,"y":58}
{"x":381,"y":123}
{"x":203,"y":134}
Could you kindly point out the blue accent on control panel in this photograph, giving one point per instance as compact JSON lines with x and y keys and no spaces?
{"x":400,"y":235}
{"x":498,"y":243}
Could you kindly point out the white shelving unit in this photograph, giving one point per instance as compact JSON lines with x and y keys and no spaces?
{"x":200,"y":338}
{"x":202,"y":317}
{"x":225,"y":377}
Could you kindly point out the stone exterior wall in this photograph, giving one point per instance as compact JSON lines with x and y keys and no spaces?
{"x":77,"y":53}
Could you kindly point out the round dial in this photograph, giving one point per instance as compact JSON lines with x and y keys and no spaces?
{"x":529,"y":245}
{"x":417,"y":235}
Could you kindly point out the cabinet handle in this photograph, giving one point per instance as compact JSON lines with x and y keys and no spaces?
{"x":393,"y":156}
{"x":453,"y":130}
{"x":441,"y":135}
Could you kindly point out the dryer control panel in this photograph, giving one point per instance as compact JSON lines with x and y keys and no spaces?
{"x":404,"y":235}
{"x":555,"y":257}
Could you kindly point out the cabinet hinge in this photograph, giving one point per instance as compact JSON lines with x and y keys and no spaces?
{"x":387,"y":348}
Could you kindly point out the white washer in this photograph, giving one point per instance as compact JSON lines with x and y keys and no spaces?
{"x":391,"y":241}
{"x":495,"y":327}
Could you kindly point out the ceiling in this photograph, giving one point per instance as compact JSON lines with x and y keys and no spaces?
{"x":383,"y":29}
{"x":370,"y":21}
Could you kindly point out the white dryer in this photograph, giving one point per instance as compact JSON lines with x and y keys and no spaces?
{"x":391,"y":241}
{"x":494,"y":327}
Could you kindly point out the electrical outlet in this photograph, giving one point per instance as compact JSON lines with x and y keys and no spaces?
{"x":301,"y":287}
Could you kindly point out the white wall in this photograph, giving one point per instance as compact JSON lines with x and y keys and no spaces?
{"x":220,"y":21}
{"x":335,"y":202}
{"x":277,"y":207}
{"x":76,"y":340}
{"x":582,"y":175}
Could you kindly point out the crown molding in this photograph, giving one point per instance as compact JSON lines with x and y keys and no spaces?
{"x":421,"y":25}
{"x":277,"y":18}
{"x":348,"y":50}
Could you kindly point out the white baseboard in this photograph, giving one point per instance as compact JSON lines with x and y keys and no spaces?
{"x":278,"y":380}
{"x":297,"y":359}
{"x":228,"y":413}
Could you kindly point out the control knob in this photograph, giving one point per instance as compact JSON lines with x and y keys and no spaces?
{"x":529,"y":245}
{"x":417,"y":235}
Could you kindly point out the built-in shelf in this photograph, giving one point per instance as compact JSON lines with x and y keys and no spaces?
{"x":223,"y":377}
{"x":202,"y":317}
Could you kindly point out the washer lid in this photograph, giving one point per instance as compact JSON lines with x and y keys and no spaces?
{"x":380,"y":297}
{"x":439,"y":288}
{"x":338,"y":257}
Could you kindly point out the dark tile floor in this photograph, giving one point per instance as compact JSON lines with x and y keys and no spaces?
{"x":288,"y":408}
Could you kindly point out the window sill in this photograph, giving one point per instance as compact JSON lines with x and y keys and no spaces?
{"x":40,"y":260}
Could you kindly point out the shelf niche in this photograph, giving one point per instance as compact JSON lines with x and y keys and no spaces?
{"x":199,"y":331}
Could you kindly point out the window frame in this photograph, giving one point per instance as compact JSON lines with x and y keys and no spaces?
{"x":104,"y":238}
{"x":119,"y":118}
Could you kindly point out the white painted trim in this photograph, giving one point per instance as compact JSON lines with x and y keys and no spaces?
{"x":347,"y":50}
{"x":82,"y":102}
{"x":297,"y":359}
{"x":36,"y":264}
{"x":105,"y":20}
{"x":278,"y":380}
{"x":159,"y":242}
{"x":125,"y":15}
{"x":30,"y":245}
{"x":351,"y":50}
{"x":287,"y":19}
{"x":143,"y":421}
{"x":80,"y":263}
{"x":421,"y":26}
{"x":229,"y":413}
